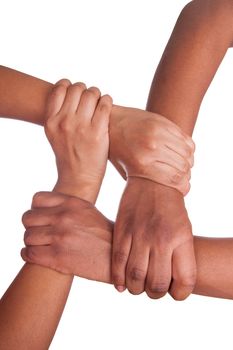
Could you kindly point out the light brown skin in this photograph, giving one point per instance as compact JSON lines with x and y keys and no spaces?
{"x":29,"y":104}
{"x":71,"y":236}
{"x":32,"y":306}
{"x":77,"y":125}
{"x":30,"y":95}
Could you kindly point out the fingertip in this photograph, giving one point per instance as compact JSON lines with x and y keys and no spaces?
{"x":108,"y":98}
{"x":64,"y":82}
{"x":96,"y":91}
{"x":81,"y":85}
{"x":120,"y":289}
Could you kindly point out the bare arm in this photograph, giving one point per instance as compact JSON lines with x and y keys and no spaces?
{"x":31,"y":308}
{"x":201,"y":37}
{"x":90,"y":250}
{"x":199,"y":42}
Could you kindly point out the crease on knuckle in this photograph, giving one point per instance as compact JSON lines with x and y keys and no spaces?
{"x":158,"y":288}
{"x":136,"y":275}
{"x":90,"y":94}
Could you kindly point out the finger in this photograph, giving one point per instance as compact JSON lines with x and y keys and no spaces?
{"x":177,"y":131}
{"x":137,"y":266}
{"x":179,"y":146}
{"x":88,"y":104}
{"x":159,"y":274}
{"x":183,"y":271}
{"x":163,"y":174}
{"x":72,"y":99}
{"x":184,"y":187}
{"x":41,"y":255}
{"x":48,"y":199}
{"x":38,"y":236}
{"x":101,"y":116}
{"x":190,"y":142}
{"x":55,"y":100}
{"x":39,"y":217}
{"x":122,"y":238}
{"x":173,"y":159}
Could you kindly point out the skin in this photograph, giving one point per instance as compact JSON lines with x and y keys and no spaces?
{"x":32,"y":306}
{"x":199,"y":42}
{"x":30,"y":96}
{"x":216,"y":23}
{"x":167,"y":152}
{"x":71,"y":236}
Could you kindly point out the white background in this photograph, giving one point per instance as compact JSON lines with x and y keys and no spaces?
{"x":115,"y":45}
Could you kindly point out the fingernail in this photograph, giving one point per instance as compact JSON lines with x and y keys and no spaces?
{"x":120,"y":288}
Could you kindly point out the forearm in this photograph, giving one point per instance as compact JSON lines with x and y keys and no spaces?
{"x":214,"y":257}
{"x":214,"y":266}
{"x":31,"y":308}
{"x":24,"y":97}
{"x":201,"y":37}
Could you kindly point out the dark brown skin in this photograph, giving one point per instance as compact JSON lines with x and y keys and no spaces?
{"x":77,"y":240}
{"x":199,"y":42}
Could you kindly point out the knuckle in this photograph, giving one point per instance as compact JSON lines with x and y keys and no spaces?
{"x":66,"y":218}
{"x":155,"y":295}
{"x":105,"y":105}
{"x":95,"y":91}
{"x":89,"y":94}
{"x":31,"y":253}
{"x":189,"y":281}
{"x":81,"y":85}
{"x":60,"y":238}
{"x":63,"y":82}
{"x":26,"y":217}
{"x":158,"y":288}
{"x":179,"y":295}
{"x":134,"y":291}
{"x":65,"y":126}
{"x":36,"y":199}
{"x":136,"y":275}
{"x":26,"y":238}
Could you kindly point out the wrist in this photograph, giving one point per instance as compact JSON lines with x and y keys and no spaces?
{"x":80,"y":187}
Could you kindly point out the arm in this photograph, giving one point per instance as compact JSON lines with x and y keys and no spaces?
{"x":162,"y":148}
{"x":198,"y":44}
{"x":89,"y":251}
{"x":164,"y":260}
{"x":32,"y":306}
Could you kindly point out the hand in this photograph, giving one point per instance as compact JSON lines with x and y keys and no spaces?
{"x":153,"y":242}
{"x":69,"y":235}
{"x":147,"y":145}
{"x":76,"y":126}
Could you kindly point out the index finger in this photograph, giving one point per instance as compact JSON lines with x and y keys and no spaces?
{"x":47,"y":199}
